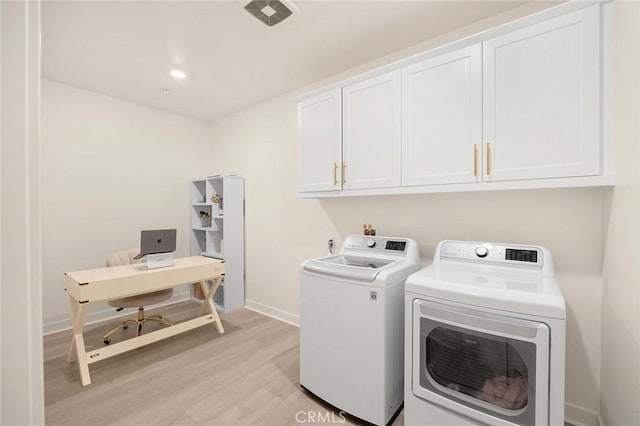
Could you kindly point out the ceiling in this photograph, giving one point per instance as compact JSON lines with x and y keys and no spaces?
{"x":126,"y":49}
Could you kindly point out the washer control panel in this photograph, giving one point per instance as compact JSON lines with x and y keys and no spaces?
{"x":376,"y":244}
{"x":489,"y":252}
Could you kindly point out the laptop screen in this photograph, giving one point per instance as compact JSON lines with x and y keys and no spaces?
{"x":157,"y":241}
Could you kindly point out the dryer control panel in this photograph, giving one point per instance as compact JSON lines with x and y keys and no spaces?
{"x":491,"y":252}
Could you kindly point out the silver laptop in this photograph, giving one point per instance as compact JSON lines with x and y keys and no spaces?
{"x":157,"y":241}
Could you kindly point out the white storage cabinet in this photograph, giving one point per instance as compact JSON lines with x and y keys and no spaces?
{"x":320,"y":142}
{"x":350,"y":138}
{"x":442,"y":119}
{"x":519,"y":106}
{"x":371,"y":133}
{"x":542,"y":99}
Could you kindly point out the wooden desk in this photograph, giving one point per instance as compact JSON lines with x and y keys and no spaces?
{"x":94,"y":285}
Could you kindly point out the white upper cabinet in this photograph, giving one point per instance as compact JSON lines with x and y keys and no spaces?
{"x":527,"y":104}
{"x":442,"y":119}
{"x":371,"y":139}
{"x":542,"y":99}
{"x":320,"y":142}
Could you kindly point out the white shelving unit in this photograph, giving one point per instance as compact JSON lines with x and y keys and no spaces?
{"x":217,"y":230}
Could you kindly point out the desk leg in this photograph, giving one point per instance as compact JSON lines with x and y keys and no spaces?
{"x":208,"y":300}
{"x":74,"y":306}
{"x":77,"y":351}
{"x":83,"y":366}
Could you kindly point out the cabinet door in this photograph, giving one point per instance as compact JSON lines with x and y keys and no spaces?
{"x":441,"y":119}
{"x":541,"y":99}
{"x":319,"y":142}
{"x":371,"y":138}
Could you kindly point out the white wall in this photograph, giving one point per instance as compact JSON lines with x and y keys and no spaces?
{"x":620,"y":395}
{"x":110,"y":168}
{"x":21,"y":372}
{"x":282,"y":230}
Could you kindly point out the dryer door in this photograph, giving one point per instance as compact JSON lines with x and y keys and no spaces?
{"x":489,"y":367}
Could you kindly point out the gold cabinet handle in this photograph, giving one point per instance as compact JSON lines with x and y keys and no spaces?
{"x":488,"y":159}
{"x":344,"y":173}
{"x":335,"y":174}
{"x":475,"y":159}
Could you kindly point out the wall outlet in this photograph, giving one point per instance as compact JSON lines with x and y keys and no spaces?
{"x":331,"y":242}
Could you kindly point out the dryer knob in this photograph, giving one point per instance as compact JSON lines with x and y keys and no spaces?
{"x":371,"y":243}
{"x":482,"y":251}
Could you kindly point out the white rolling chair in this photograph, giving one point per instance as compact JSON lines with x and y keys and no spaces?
{"x":139,"y":301}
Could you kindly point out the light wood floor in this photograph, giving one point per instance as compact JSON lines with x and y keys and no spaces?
{"x":248,"y":375}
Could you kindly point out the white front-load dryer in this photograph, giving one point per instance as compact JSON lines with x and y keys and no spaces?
{"x":352,"y":325}
{"x":485,"y":338}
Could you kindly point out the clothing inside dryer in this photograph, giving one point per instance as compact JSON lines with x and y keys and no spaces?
{"x":486,"y":367}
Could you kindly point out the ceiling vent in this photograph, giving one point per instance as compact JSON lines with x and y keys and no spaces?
{"x":271,"y":12}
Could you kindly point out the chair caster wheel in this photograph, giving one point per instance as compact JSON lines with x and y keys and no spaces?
{"x":107,"y":341}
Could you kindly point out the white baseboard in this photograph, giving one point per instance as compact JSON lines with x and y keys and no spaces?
{"x":110,"y":313}
{"x":272,"y":312}
{"x":580,"y":416}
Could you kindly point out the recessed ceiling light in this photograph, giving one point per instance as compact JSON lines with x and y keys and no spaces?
{"x":178,"y":74}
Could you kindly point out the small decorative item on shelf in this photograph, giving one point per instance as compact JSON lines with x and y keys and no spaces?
{"x":217,"y":199}
{"x":205,"y":218}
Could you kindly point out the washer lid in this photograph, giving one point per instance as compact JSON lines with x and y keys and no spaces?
{"x":493,"y":287}
{"x":358,"y":261}
{"x":345,"y":266}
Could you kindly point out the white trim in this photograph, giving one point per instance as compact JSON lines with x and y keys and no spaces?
{"x":471,"y":187}
{"x":108,"y":314}
{"x":607,"y":87}
{"x":22,"y":384}
{"x":580,"y":416}
{"x":272,"y":312}
{"x":1,"y":210}
{"x":34,"y":231}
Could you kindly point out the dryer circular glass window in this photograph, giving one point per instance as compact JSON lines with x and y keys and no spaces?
{"x":485,"y":367}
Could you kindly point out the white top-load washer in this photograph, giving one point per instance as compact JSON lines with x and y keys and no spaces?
{"x":485,"y":338}
{"x":352,"y":325}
